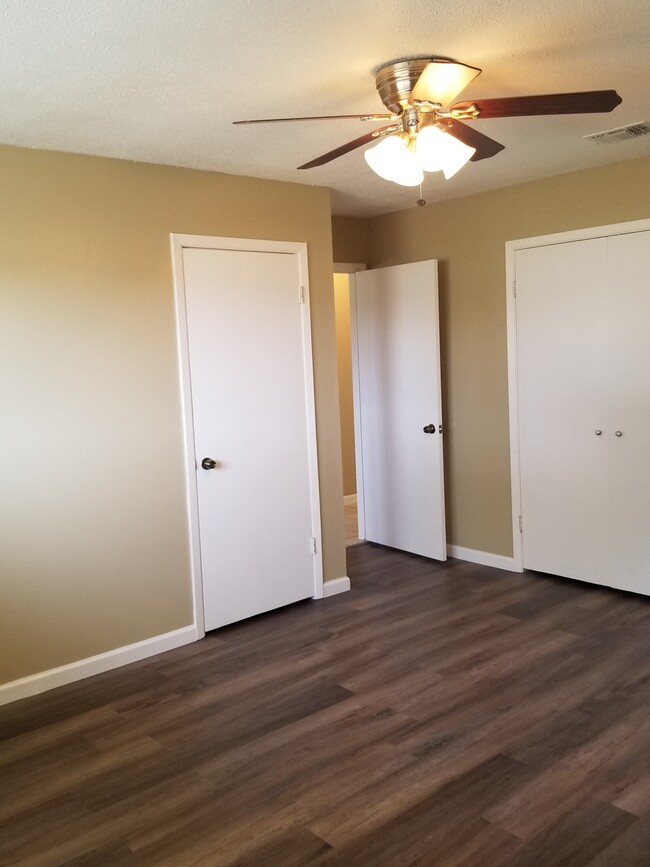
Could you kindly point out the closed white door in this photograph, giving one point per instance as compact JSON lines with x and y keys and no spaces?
{"x":629,"y":460}
{"x":583,"y":369}
{"x":399,"y":414}
{"x":564,"y":426}
{"x":252,"y":421}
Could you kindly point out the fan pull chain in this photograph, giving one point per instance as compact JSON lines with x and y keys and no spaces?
{"x":421,"y":202}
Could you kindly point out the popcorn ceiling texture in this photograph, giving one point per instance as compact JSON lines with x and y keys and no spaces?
{"x":162,"y":82}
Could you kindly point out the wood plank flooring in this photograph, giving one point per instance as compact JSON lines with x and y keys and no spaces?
{"x":351,"y":524}
{"x":438,"y":714}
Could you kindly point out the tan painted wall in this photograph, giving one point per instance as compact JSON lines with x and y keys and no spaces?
{"x":467,"y":236}
{"x":94,"y":550}
{"x":350,"y":240}
{"x":344,"y":355}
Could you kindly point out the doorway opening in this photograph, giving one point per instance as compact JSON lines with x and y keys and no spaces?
{"x":391,"y":417}
{"x":346,"y":399}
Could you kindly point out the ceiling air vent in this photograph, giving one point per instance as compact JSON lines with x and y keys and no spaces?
{"x":620,"y":133}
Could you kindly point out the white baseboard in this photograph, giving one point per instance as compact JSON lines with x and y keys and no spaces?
{"x":350,"y":500}
{"x":336,"y":585}
{"x":498,"y":561}
{"x":45,"y":680}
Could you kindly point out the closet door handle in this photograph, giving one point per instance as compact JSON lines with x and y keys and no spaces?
{"x":598,"y":433}
{"x":618,"y":433}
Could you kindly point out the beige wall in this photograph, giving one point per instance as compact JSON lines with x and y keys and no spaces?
{"x":468,"y":238}
{"x":94,"y":552}
{"x":344,"y":355}
{"x":350,"y":240}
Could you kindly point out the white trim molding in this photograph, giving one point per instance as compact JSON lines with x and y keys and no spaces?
{"x":64,"y":674}
{"x":484,"y":558}
{"x":335,"y":586}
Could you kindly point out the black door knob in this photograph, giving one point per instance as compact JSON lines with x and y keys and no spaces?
{"x":208,"y":464}
{"x":429,"y":428}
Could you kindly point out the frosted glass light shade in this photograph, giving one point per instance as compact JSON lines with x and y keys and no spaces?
{"x":429,"y":148}
{"x":439,"y":151}
{"x":456,"y":155}
{"x":392,"y":160}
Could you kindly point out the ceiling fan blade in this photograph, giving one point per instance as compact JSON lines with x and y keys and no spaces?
{"x":316,"y":117}
{"x":442,"y":80}
{"x":485,"y":147}
{"x":549,"y":103}
{"x":346,"y":148}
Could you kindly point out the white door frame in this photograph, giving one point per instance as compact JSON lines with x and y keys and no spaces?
{"x":179,"y":242}
{"x":511,"y":330}
{"x":351,"y":268}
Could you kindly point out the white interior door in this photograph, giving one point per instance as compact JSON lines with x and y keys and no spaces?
{"x":400,"y":485}
{"x":629,"y":457}
{"x":562,"y":372}
{"x":248,"y":338}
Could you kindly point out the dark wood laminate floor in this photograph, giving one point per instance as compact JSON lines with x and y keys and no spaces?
{"x":438,"y":714}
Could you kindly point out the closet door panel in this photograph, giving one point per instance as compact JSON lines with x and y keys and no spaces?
{"x":629,"y":377}
{"x":562,"y":328}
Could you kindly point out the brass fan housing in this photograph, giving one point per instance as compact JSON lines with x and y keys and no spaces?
{"x":396,"y":79}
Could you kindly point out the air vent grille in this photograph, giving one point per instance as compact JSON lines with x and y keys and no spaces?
{"x":620,"y":133}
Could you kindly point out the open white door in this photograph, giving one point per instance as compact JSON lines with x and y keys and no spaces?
{"x":400,"y":483}
{"x":246,"y":313}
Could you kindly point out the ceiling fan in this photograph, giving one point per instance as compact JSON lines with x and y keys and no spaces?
{"x":426,"y":131}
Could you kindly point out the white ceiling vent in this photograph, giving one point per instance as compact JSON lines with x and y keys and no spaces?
{"x":620,"y":133}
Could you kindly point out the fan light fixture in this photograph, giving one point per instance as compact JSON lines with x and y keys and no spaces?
{"x":427,"y":131}
{"x":404,"y":158}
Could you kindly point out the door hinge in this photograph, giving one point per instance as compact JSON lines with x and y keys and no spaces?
{"x":313,"y":545}
{"x":301,"y":294}
{"x":521,"y":524}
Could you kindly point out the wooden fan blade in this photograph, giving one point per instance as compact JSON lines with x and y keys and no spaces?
{"x":346,"y":148}
{"x":485,"y":147}
{"x":549,"y":103}
{"x":316,"y":117}
{"x":442,"y":80}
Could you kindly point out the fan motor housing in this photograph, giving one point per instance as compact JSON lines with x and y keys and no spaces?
{"x":396,"y":79}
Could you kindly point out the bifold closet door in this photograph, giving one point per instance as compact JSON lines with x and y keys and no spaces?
{"x":563,"y":372}
{"x":629,"y":465}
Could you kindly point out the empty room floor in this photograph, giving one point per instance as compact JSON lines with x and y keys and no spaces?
{"x":351,"y":524}
{"x":439,"y":714}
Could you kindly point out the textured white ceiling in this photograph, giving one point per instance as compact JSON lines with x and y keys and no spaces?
{"x":161,"y":81}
